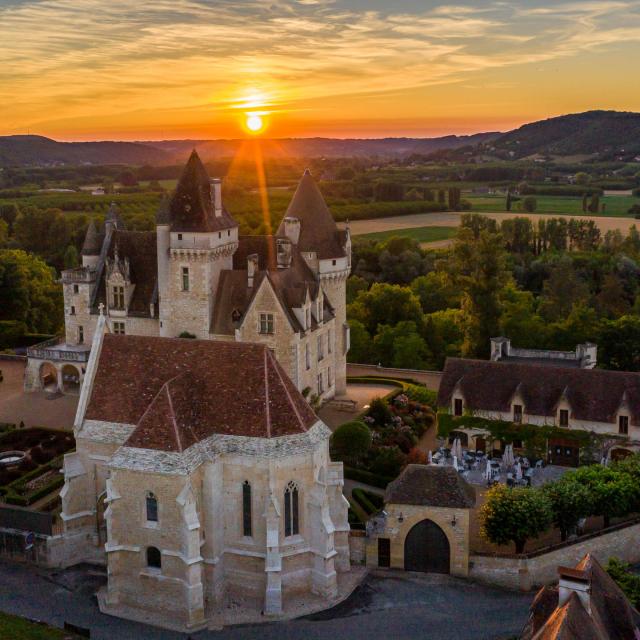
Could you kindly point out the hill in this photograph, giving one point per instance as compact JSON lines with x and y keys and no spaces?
{"x":41,"y":151}
{"x":604,"y":135}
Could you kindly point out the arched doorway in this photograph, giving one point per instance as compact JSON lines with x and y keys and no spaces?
{"x":426,"y":549}
{"x":70,"y":379}
{"x":48,"y":377}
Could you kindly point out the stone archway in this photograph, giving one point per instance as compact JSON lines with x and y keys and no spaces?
{"x":48,"y":376}
{"x":427,"y":549}
{"x":70,"y":379}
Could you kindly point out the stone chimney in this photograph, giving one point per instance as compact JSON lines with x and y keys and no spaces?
{"x":292,"y":229}
{"x":574,"y":581}
{"x":216,"y":196}
{"x":587,"y":355}
{"x":283,"y":253}
{"x":252,"y":269}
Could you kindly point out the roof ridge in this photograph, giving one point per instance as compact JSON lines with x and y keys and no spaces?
{"x":266,"y":394}
{"x":172,"y":415}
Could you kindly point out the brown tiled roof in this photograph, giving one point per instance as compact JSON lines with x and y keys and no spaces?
{"x":318,"y":230}
{"x":593,"y":394}
{"x":178,"y":391}
{"x":92,"y":241}
{"x":611,"y":616}
{"x":431,"y":485}
{"x":140,"y":247}
{"x":191,"y":207}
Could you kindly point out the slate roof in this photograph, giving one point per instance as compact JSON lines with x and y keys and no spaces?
{"x":178,"y":391}
{"x":593,"y":394}
{"x":318,"y":230}
{"x":611,"y":616}
{"x":431,"y":485}
{"x":92,"y":241}
{"x":290,"y":285}
{"x":140,"y":247}
{"x":191,"y":207}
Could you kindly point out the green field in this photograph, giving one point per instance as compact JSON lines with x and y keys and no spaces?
{"x":420,"y":234}
{"x":20,"y":629}
{"x":559,"y":205}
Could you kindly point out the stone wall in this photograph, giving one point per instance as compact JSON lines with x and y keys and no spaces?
{"x":431,"y":379}
{"x":358,"y":547}
{"x":530,"y":571}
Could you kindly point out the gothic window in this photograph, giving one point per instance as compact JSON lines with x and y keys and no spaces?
{"x":623,"y":425}
{"x":266,"y":323}
{"x":307,"y":356}
{"x":80,"y":334}
{"x":118,"y":297}
{"x":320,"y":348}
{"x":246,"y":509}
{"x":291,"y":517}
{"x":152,"y":508}
{"x":320,"y":384}
{"x":185,"y":278}
{"x":118,"y":328}
{"x":154,"y":558}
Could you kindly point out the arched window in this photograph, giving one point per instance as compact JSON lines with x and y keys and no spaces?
{"x":246,"y":509}
{"x":152,"y":508}
{"x":154,"y":558}
{"x":291,"y":519}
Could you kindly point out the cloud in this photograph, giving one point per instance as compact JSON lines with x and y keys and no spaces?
{"x":74,"y":58}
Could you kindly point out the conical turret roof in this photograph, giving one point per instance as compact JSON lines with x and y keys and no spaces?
{"x":92,"y":241}
{"x":318,"y":230}
{"x":191,"y":206}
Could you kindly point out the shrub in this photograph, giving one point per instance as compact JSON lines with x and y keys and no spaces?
{"x":351,"y":441}
{"x":363,"y":498}
{"x":422,"y":395}
{"x":379,"y":412}
{"x":627,"y":581}
{"x":416,"y":456}
{"x":387,"y":461}
{"x":366,"y":477}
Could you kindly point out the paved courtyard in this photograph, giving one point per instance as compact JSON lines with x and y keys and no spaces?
{"x":387,"y":605}
{"x":34,"y":409}
{"x":361,"y":394}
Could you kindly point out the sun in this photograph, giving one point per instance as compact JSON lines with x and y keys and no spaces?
{"x":254,"y":123}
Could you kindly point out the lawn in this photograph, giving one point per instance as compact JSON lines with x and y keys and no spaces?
{"x":420,"y":234}
{"x":560,"y":205}
{"x":20,"y":629}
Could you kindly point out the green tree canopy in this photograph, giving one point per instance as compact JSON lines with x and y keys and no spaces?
{"x":569,"y":502}
{"x":351,"y":441}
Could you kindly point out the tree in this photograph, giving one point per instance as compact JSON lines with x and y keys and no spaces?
{"x":29,"y":292}
{"x":529,"y":204}
{"x":561,"y":291}
{"x":436,"y":291}
{"x":71,"y":257}
{"x":517,"y":234}
{"x":594,"y":205}
{"x":350,"y":442}
{"x":508,"y":203}
{"x":9,"y":212}
{"x":519,"y":319}
{"x":515,"y":515}
{"x":612,"y":300}
{"x":479,"y":269}
{"x":477,"y":223}
{"x":355,"y":284}
{"x":361,"y":345}
{"x":611,"y":493}
{"x":45,"y":232}
{"x":569,"y":503}
{"x":401,"y":346}
{"x":629,"y":582}
{"x":380,"y":413}
{"x":619,"y":344}
{"x":4,"y":232}
{"x":387,"y":461}
{"x":582,"y":178}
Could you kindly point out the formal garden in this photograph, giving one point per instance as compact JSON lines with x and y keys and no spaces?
{"x":31,"y":462}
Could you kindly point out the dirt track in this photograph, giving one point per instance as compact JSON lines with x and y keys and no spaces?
{"x":359,"y":227}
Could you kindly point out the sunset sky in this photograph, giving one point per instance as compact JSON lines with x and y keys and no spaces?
{"x":120,"y":69}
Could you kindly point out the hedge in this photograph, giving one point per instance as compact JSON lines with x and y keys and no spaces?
{"x":366,"y":477}
{"x":371,"y":210}
{"x":12,"y":490}
{"x":370,"y":502}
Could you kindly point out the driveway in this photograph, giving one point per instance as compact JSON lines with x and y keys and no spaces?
{"x":387,"y":605}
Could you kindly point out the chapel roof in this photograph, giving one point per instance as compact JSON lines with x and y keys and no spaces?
{"x":593,"y":394}
{"x":609,"y":615}
{"x":431,"y":485}
{"x":318,"y":230}
{"x":179,"y":391}
{"x":191,"y":207}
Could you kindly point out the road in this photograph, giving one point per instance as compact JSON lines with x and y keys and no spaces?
{"x":398,"y":605}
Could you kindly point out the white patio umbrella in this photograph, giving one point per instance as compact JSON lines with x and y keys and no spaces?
{"x":430,"y":457}
{"x":488,"y":472}
{"x":455,"y":462}
{"x":459,"y":449}
{"x":507,"y":458}
{"x":518,"y":470}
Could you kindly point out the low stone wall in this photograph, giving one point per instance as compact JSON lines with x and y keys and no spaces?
{"x":529,"y":571}
{"x":431,"y":379}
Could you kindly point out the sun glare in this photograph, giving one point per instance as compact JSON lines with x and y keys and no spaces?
{"x":254,"y":123}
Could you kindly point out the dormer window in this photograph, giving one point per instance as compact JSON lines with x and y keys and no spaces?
{"x":623,"y":425}
{"x":118,"y":297}
{"x":563,"y":417}
{"x":236,"y":314}
{"x":517,"y":413}
{"x":179,"y":236}
{"x":266,"y":323}
{"x":457,"y":407}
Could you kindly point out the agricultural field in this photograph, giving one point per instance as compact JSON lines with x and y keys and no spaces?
{"x":422,"y":235}
{"x":617,"y":205}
